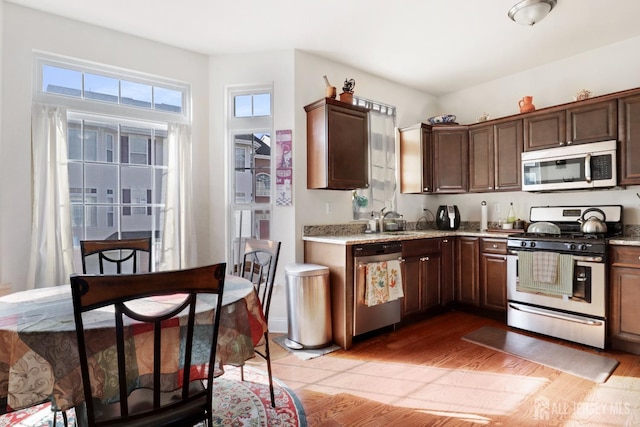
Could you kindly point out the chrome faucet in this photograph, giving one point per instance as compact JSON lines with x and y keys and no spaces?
{"x":381,"y":220}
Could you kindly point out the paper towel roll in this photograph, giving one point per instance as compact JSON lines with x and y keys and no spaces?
{"x":484,"y":222}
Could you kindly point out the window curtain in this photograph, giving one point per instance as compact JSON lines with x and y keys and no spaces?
{"x":51,"y":258}
{"x":178,"y":237}
{"x":382,"y":140}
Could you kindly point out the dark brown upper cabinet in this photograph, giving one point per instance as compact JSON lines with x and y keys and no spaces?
{"x":450,"y":158}
{"x":629,"y":132}
{"x":415,"y":159}
{"x":587,"y":121}
{"x":337,"y":145}
{"x":494,"y":156}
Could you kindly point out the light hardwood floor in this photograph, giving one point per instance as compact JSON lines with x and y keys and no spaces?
{"x":425,"y":375}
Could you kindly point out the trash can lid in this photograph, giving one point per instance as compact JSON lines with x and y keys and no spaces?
{"x":306,"y":270}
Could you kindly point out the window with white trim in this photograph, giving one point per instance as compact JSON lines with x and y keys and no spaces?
{"x":249,"y":128}
{"x":117,"y":123}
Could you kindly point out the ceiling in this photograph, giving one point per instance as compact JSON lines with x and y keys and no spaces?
{"x":437,"y":46}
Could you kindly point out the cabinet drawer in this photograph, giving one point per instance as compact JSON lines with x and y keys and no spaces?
{"x":494,"y":246}
{"x":420,"y":247}
{"x":628,"y":256}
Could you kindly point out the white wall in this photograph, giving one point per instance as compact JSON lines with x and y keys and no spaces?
{"x":605,"y":70}
{"x":25,"y":30}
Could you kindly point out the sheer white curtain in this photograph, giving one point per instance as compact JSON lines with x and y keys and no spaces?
{"x":51,"y":258}
{"x":178,"y":237}
{"x":382,"y":152}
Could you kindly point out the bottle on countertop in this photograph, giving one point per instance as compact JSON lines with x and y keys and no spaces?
{"x":511,"y":216}
{"x":373,"y":224}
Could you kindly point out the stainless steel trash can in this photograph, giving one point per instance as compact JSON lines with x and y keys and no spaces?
{"x":308,"y":306}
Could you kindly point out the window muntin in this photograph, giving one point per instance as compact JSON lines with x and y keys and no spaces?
{"x":74,"y":81}
{"x":111,"y":196}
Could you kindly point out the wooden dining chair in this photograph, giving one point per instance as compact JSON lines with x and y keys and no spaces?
{"x":118,"y":253}
{"x":259,"y":263}
{"x":141,"y":399}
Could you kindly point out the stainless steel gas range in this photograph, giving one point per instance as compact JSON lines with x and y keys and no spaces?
{"x":556,"y":276}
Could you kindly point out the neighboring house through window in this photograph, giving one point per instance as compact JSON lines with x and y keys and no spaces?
{"x":250,"y":128}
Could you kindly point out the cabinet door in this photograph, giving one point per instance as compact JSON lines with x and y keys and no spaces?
{"x":508,"y":149}
{"x":481,"y":154}
{"x":415,"y":160}
{"x":467,"y":271}
{"x":411,"y":286}
{"x":347,"y":150}
{"x":427,"y":161}
{"x":592,"y":122}
{"x":494,"y":282}
{"x":450,"y":159}
{"x":447,"y":269}
{"x":624,"y":327}
{"x":430,"y":280}
{"x":337,"y":145}
{"x":544,"y":130}
{"x":624,"y":298}
{"x":629,"y":132}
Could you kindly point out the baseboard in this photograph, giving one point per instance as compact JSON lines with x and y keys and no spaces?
{"x":278,"y":325}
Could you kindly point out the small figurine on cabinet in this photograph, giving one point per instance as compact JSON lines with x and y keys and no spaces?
{"x":347,"y":91}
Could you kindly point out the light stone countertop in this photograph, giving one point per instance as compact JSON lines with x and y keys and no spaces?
{"x":395,"y":236}
{"x":363,"y":238}
{"x":625,"y":241}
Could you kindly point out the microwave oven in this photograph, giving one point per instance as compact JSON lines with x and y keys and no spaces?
{"x":571,"y":167}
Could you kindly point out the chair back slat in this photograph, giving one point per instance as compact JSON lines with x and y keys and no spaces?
{"x":259,"y":264}
{"x":118,"y":253}
{"x":95,"y":292}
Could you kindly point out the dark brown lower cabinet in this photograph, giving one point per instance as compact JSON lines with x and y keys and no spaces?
{"x":421,"y":275}
{"x":493,"y":279}
{"x":467,"y":270}
{"x":624,"y":298}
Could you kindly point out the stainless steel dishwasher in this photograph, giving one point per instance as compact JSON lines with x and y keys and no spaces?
{"x":365,"y":318}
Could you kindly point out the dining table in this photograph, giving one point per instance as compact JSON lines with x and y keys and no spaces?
{"x":39,"y":358}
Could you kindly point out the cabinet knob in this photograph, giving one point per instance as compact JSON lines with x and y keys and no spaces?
{"x":495,"y":246}
{"x":569,"y":142}
{"x":561,"y":143}
{"x":445,"y":241}
{"x":426,"y":258}
{"x":426,"y":188}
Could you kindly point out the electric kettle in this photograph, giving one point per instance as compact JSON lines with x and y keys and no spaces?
{"x":448,"y":217}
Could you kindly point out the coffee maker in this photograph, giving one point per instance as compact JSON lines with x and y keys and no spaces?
{"x":448,"y":217}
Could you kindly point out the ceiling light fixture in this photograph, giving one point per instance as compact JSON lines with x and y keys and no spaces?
{"x":530,"y":12}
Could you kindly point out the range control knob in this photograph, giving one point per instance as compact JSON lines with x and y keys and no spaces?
{"x":572,"y":246}
{"x":583,"y":247}
{"x":533,"y":244}
{"x":523,"y":244}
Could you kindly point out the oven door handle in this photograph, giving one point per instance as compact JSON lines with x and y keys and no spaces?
{"x":557,"y":315}
{"x":577,"y":258}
